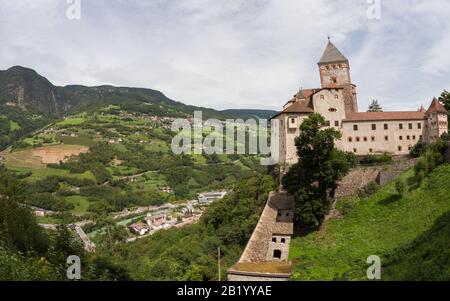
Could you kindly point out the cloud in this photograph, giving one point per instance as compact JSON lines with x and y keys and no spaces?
{"x":233,"y":53}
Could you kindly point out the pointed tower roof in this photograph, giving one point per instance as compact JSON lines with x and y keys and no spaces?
{"x":421,"y":109}
{"x":332,"y":55}
{"x":436,"y":107}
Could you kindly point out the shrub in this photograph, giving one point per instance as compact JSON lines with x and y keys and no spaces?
{"x":374,"y":159}
{"x":418,"y":150}
{"x":400,"y":186}
{"x":370,"y":189}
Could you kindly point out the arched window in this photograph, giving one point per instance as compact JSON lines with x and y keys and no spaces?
{"x":277,"y":254}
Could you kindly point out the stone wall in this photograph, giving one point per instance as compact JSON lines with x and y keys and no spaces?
{"x":268,"y":248}
{"x":360,"y":177}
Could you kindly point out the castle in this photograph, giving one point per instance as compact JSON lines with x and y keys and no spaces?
{"x":363,"y":133}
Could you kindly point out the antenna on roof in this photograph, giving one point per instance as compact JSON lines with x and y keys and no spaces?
{"x":329,"y":38}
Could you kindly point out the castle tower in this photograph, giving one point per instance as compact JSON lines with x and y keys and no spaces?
{"x":334,"y":70}
{"x":437,"y":122}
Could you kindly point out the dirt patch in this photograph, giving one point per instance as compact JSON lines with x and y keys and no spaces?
{"x":56,"y":154}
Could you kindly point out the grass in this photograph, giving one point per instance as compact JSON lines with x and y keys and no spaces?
{"x":156,"y":146}
{"x":379,"y":225}
{"x":154,"y":181}
{"x":80,"y":140}
{"x":81,"y":204}
{"x":14,"y":126}
{"x":39,"y":173}
{"x":47,"y":220}
{"x":76,"y":120}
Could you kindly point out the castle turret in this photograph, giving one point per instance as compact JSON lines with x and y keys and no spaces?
{"x":437,"y":120}
{"x":334,"y":70}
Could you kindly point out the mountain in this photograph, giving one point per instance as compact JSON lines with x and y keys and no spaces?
{"x":25,"y":89}
{"x":29,"y":101}
{"x":261,"y":114}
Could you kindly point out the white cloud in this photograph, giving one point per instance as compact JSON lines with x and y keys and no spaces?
{"x":233,"y":53}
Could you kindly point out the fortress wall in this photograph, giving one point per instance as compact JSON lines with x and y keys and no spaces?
{"x":360,"y":177}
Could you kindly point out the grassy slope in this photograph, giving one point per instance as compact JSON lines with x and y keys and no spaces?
{"x":378,"y":225}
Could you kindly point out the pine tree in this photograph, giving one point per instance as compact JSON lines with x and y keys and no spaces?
{"x":375,"y":107}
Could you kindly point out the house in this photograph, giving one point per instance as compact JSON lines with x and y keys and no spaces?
{"x":139,"y":228}
{"x":157,"y":222}
{"x":209,"y":197}
{"x":188,"y":210}
{"x":363,"y":133}
{"x":39,"y":213}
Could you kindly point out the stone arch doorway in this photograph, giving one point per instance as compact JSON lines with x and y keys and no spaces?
{"x":277,"y":254}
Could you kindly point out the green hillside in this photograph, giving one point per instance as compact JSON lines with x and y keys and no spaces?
{"x":409,"y":233}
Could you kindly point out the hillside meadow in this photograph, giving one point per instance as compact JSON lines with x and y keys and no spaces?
{"x":404,"y":232}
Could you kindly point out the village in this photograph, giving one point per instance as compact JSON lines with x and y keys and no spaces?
{"x":143,"y":221}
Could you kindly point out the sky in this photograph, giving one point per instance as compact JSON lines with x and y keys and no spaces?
{"x":241,"y":54}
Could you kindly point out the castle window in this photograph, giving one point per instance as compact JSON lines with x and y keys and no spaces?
{"x":322,"y":97}
{"x":336,"y":123}
{"x":414,"y":137}
{"x":386,"y":138}
{"x":277,"y":254}
{"x":327,"y":123}
{"x":372,"y":138}
{"x":401,"y":137}
{"x":408,"y":137}
{"x":370,"y":150}
{"x":420,"y":137}
{"x":399,"y":148}
{"x":350,"y":139}
{"x":332,"y":110}
{"x":292,"y":120}
{"x":355,"y":150}
{"x":336,"y":96}
{"x":400,"y":126}
{"x":283,"y":240}
{"x":357,"y":139}
{"x":386,"y":126}
{"x":355,"y":127}
{"x":410,"y":126}
{"x":274,"y":239}
{"x":365,"y":139}
{"x":409,"y":147}
{"x":374,"y":127}
{"x":419,"y":126}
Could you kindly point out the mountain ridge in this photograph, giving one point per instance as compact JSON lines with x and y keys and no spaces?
{"x":26,"y":89}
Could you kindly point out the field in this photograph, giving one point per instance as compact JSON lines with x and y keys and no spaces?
{"x":28,"y":160}
{"x":379,"y":225}
{"x":55,"y":154}
{"x":76,"y":120}
{"x":39,"y":157}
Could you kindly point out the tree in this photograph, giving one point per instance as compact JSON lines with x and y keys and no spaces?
{"x":445,"y":100}
{"x":313,"y":180}
{"x":375,"y":107}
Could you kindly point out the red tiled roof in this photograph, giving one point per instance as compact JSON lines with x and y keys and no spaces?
{"x":384,"y":116}
{"x":298,"y":106}
{"x":437,"y":107}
